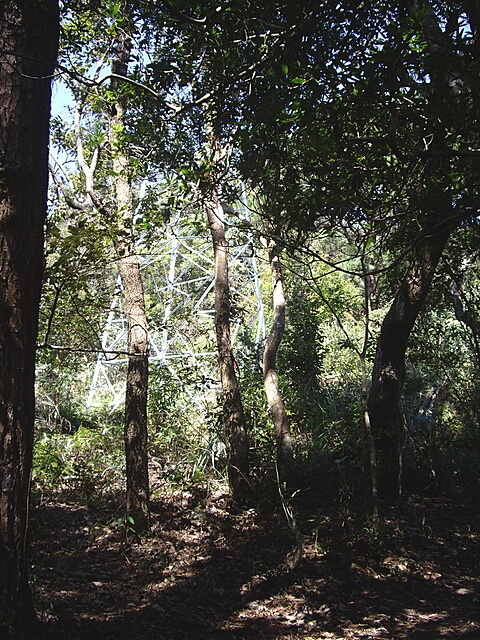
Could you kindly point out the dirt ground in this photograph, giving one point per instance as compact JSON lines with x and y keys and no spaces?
{"x":206,"y":573}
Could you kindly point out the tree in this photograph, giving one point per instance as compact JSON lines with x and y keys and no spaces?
{"x":112,"y":107}
{"x":138,"y":510}
{"x":384,"y":135}
{"x":28,"y":50}
{"x":388,"y":375}
{"x":440,"y":200}
{"x":275,"y":401}
{"x":232,"y":402}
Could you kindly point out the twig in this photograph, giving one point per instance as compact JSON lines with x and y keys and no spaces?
{"x":291,"y":521}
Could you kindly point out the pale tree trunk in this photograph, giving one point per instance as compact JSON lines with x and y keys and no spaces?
{"x":238,"y":464}
{"x":275,"y":401}
{"x":135,"y":430}
{"x":284,"y":454}
{"x":29,"y":32}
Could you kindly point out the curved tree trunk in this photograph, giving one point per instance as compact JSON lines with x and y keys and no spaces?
{"x":384,"y":403}
{"x":30,"y":32}
{"x":233,"y":408}
{"x":270,"y":376}
{"x":238,"y":463}
{"x":433,"y":198}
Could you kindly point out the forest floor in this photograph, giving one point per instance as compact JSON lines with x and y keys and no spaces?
{"x":206,"y":573}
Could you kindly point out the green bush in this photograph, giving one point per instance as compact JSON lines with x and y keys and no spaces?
{"x":89,"y":462}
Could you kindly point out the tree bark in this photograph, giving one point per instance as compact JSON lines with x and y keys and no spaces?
{"x":28,"y":41}
{"x":384,"y":403}
{"x":433,"y":200}
{"x":136,"y":395}
{"x":372,"y":450}
{"x":121,"y":221}
{"x":238,"y":463}
{"x":274,"y":397}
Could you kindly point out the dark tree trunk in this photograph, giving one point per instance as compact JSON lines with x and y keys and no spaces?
{"x":136,"y":394}
{"x":28,"y":41}
{"x":138,"y":508}
{"x":432,"y":200}
{"x":372,"y":452}
{"x":384,"y":403}
{"x":275,"y":401}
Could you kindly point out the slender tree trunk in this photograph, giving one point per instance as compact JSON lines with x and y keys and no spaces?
{"x":121,"y":219}
{"x":384,"y":404}
{"x":29,"y":32}
{"x":233,"y":408}
{"x":136,"y":395}
{"x":238,"y":464}
{"x":275,"y":401}
{"x":372,"y":451}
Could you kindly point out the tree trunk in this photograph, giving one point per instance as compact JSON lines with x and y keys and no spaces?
{"x":384,"y":404}
{"x":29,"y":32}
{"x":135,"y":431}
{"x":372,"y":451}
{"x":434,"y":199}
{"x":233,"y":408}
{"x":238,"y":464}
{"x":272,"y":390}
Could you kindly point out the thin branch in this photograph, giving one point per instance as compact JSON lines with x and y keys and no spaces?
{"x":135,"y":83}
{"x":53,"y":309}
{"x":53,"y":347}
{"x":66,"y":191}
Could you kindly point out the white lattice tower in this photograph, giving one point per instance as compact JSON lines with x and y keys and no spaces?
{"x":178,"y":275}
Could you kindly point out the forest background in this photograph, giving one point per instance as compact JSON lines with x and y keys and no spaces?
{"x":338,"y":145}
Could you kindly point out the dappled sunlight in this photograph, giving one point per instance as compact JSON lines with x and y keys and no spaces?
{"x":207,"y":573}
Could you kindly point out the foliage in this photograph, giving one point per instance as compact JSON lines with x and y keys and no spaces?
{"x":86,"y":463}
{"x":328,"y":114}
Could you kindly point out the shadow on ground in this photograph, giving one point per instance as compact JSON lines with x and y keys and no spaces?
{"x":206,"y":573}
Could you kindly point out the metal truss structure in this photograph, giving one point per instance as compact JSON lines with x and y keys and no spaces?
{"x":178,"y":275}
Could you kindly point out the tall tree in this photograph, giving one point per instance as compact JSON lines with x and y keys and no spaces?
{"x":405,"y":164}
{"x":232,"y":402}
{"x":28,"y":50}
{"x":275,"y":400}
{"x":388,"y":377}
{"x":121,"y":229}
{"x":134,"y":299}
{"x":441,"y":197}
